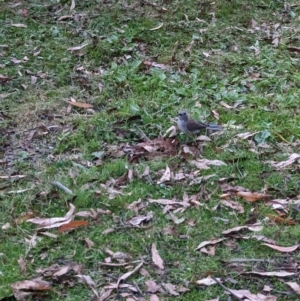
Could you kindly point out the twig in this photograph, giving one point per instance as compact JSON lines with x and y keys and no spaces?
{"x":226,"y":289}
{"x":62,"y":187}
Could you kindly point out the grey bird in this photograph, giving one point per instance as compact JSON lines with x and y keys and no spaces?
{"x":190,"y":126}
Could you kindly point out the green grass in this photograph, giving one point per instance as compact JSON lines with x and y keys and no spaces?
{"x":243,"y":67}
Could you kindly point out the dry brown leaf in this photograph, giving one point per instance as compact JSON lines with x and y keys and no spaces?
{"x":105,"y":294}
{"x":254,"y":228}
{"x":215,"y":114}
{"x":261,"y":238}
{"x":136,"y":221}
{"x":72,"y":5}
{"x":292,"y":158}
{"x":157,"y":27}
{"x":163,"y":201}
{"x":107,"y":231}
{"x":282,"y":249}
{"x":252,"y":196}
{"x":24,"y":217}
{"x":80,"y":104}
{"x":248,"y":296}
{"x":233,"y":205}
{"x":203,"y":138}
{"x":204,"y":163}
{"x":89,"y":243}
{"x":144,"y":272}
{"x":211,"y":250}
{"x":19,"y":25}
{"x":24,"y":289}
{"x":22,"y":264}
{"x":272,"y":274}
{"x":159,"y":147}
{"x":280,"y":220}
{"x":72,"y":225}
{"x":6,"y":226}
{"x":182,"y":289}
{"x":208,"y":281}
{"x":171,"y":289}
{"x":90,"y":283}
{"x":93,"y":213}
{"x":156,"y":258}
{"x":209,"y":242}
{"x":154,"y":297}
{"x":77,"y":47}
{"x":246,"y":135}
{"x":166,"y":176}
{"x":62,"y":271}
{"x":294,"y":286}
{"x":128,"y":274}
{"x":171,"y":132}
{"x":152,"y":287}
{"x":225,"y":105}
{"x":55,"y":222}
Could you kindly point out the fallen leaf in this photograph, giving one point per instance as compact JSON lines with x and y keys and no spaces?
{"x":294,"y":286}
{"x":204,"y":163}
{"x":210,"y":242}
{"x":55,"y":222}
{"x":208,"y":281}
{"x":62,"y":271}
{"x":22,"y":264}
{"x":77,"y":47}
{"x":171,"y":132}
{"x":128,"y":274}
{"x":152,"y":287}
{"x":271,"y":274}
{"x":215,"y":114}
{"x":136,"y":221}
{"x":280,"y":220}
{"x":233,"y":205}
{"x":292,"y":158}
{"x":246,"y":135}
{"x":154,"y":297}
{"x":171,"y":289}
{"x":72,"y":225}
{"x":6,"y":226}
{"x":104,"y":294}
{"x":33,"y":287}
{"x":282,"y":249}
{"x":254,"y":228}
{"x":211,"y":250}
{"x":107,"y":231}
{"x":157,"y":27}
{"x":72,"y":5}
{"x":156,"y":258}
{"x":89,"y":243}
{"x":19,"y":25}
{"x":252,"y":196}
{"x":225,"y":105}
{"x":90,"y":283}
{"x":248,"y":296}
{"x":166,"y":176}
{"x":79,"y":104}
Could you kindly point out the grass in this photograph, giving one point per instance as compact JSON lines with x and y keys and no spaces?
{"x":210,"y":53}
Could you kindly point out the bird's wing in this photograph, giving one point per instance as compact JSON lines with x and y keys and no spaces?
{"x":193,"y":125}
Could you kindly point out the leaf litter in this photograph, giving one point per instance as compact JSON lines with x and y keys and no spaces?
{"x":157,"y":148}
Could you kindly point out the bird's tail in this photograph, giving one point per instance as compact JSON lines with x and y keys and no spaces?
{"x":214,"y":127}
